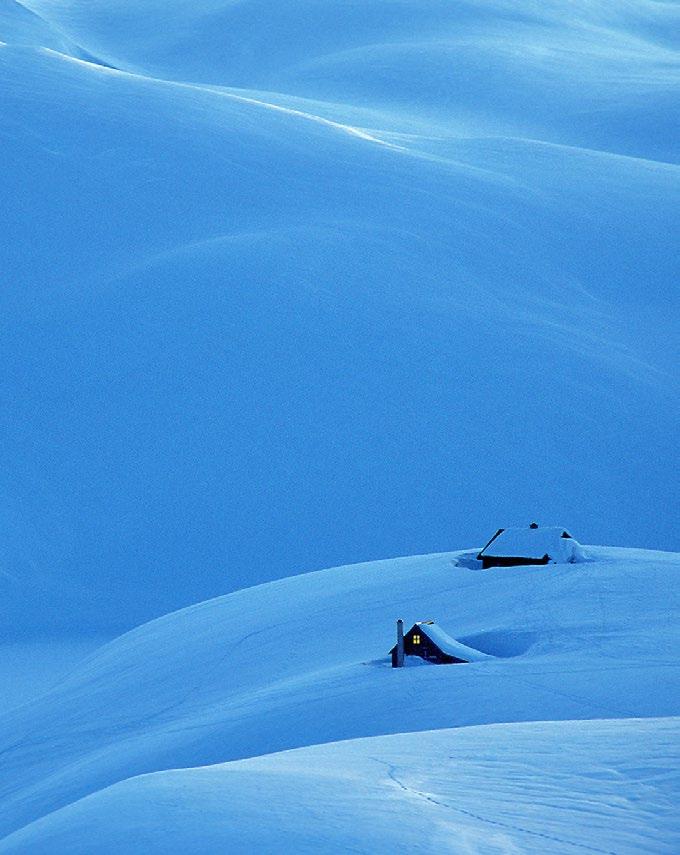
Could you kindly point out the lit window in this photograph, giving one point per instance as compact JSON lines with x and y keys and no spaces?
{"x":416,"y":639}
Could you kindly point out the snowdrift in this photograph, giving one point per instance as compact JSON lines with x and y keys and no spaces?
{"x":605,"y":786}
{"x":585,"y":73}
{"x":303,"y":661}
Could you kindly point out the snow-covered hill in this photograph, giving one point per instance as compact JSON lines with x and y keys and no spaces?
{"x":604,"y":787}
{"x":586,"y":73}
{"x":306,"y":283}
{"x":303,"y":661}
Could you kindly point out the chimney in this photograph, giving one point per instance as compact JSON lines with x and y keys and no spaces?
{"x":398,"y":661}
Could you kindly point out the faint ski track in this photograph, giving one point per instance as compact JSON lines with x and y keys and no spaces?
{"x":392,"y":774}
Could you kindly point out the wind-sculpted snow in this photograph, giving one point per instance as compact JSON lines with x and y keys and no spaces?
{"x":597,"y":787}
{"x":410,"y":245}
{"x":303,"y":661}
{"x":19,"y":25}
{"x":589,"y":73}
{"x":292,"y":284}
{"x":255,"y":330}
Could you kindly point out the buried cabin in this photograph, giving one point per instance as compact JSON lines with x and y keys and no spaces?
{"x":430,"y":642}
{"x":532,"y":544}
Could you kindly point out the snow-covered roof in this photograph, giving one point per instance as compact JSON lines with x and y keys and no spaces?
{"x":449,"y":645}
{"x":527,"y":542}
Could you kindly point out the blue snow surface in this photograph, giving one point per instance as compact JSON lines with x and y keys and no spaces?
{"x":270,"y":721}
{"x":289,"y":283}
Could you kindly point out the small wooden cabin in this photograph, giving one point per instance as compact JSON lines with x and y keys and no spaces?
{"x":430,"y":642}
{"x":533,"y":544}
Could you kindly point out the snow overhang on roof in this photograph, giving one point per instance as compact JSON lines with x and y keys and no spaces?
{"x":533,"y":543}
{"x":449,"y":645}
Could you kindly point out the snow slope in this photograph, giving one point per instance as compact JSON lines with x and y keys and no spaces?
{"x":494,"y":789}
{"x":303,"y":661}
{"x":30,"y":666}
{"x":308,"y":283}
{"x":586,"y":73}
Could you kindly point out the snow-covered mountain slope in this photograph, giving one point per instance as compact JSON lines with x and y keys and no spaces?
{"x":303,"y":661}
{"x":586,"y":73}
{"x":30,"y":666}
{"x":605,"y":787}
{"x":19,"y":25}
{"x":416,"y":289}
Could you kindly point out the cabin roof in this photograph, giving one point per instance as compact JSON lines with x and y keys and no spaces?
{"x":447,"y":644}
{"x":534,"y":543}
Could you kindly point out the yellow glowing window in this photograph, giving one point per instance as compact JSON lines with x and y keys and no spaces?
{"x":416,"y":639}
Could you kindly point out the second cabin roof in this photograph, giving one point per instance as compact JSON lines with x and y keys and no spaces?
{"x":528,"y":542}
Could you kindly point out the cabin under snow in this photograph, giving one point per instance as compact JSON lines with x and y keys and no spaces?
{"x":533,"y":544}
{"x":429,"y":641}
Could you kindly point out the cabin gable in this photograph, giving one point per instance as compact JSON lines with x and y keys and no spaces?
{"x":418,"y":643}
